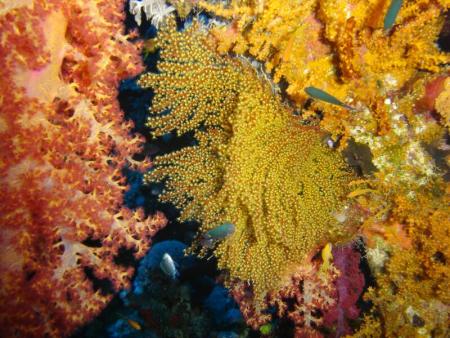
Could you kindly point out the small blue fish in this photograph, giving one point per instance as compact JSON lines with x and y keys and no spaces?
{"x":221,"y":232}
{"x":217,"y":234}
{"x":392,"y":13}
{"x":168,"y":266}
{"x":319,"y":94}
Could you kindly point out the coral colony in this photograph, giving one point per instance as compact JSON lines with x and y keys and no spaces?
{"x":292,"y":172}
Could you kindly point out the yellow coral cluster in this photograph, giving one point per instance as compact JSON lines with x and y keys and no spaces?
{"x":255,"y":165}
{"x":411,"y":298}
{"x":337,"y":46}
{"x":285,"y":35}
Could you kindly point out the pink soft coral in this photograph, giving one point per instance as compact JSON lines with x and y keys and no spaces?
{"x":349,"y":287}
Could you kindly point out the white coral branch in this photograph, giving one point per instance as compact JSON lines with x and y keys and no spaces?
{"x":155,"y":10}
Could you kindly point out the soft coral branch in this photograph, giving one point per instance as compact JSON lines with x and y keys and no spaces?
{"x":64,"y":144}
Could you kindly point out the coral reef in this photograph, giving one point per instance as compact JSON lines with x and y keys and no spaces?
{"x":64,"y":144}
{"x":305,"y":295}
{"x":406,"y":247}
{"x":254,"y":165}
{"x":308,"y":140}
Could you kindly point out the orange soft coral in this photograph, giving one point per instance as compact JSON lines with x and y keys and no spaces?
{"x":64,"y":142}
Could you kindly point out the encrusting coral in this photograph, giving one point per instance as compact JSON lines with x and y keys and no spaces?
{"x":63,"y":145}
{"x":254,"y":164}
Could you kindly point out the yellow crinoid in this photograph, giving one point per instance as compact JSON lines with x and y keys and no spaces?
{"x":254,"y":164}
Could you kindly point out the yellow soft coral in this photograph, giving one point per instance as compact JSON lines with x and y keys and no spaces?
{"x":411,"y":298}
{"x":407,"y":237}
{"x":337,"y":46}
{"x":254,"y":165}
